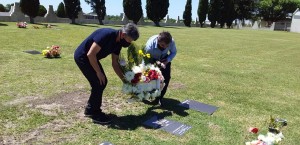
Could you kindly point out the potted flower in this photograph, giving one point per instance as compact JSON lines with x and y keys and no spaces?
{"x":275,"y":125}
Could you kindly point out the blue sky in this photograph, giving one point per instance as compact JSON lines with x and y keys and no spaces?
{"x":114,"y":7}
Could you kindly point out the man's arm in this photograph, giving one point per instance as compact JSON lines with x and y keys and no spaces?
{"x":173,"y":51}
{"x":95,"y":48}
{"x":116,"y":66}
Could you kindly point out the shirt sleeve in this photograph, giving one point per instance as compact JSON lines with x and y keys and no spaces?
{"x":101,"y":37}
{"x":173,"y":51}
{"x":149,"y":49}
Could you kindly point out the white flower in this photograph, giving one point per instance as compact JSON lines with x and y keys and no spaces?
{"x":143,"y":78}
{"x":137,"y":69}
{"x":129,"y":76}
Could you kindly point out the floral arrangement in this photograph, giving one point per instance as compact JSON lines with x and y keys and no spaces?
{"x":52,"y":52}
{"x":22,"y":24}
{"x":274,"y":136}
{"x":143,"y":81}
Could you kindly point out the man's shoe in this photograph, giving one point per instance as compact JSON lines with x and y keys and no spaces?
{"x":157,"y":101}
{"x":101,"y":118}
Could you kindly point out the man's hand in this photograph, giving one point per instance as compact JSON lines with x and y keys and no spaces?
{"x":101,"y":78}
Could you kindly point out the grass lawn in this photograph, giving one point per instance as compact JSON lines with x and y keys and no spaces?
{"x":248,"y":74}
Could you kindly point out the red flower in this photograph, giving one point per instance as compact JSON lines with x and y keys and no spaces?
{"x":136,"y":78}
{"x":253,"y":130}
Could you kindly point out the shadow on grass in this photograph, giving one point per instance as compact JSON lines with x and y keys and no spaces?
{"x":3,"y":24}
{"x":132,"y":122}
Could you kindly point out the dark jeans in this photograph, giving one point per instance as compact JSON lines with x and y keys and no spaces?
{"x":95,"y":100}
{"x":167,"y":75}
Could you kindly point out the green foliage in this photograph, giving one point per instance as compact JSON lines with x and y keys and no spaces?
{"x":114,"y":18}
{"x":61,"y":10}
{"x":72,"y":8}
{"x":8,"y":7}
{"x":187,"y":14}
{"x":30,"y":8}
{"x":275,"y":10}
{"x":244,"y":9}
{"x":2,"y":8}
{"x":98,"y":6}
{"x":157,"y":10}
{"x":42,"y":11}
{"x":202,"y":11}
{"x":133,"y":10}
{"x":214,"y":12}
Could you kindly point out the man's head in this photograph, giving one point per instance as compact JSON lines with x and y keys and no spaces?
{"x":129,"y":33}
{"x":164,"y":39}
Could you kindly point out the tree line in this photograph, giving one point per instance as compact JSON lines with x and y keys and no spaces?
{"x":218,"y":12}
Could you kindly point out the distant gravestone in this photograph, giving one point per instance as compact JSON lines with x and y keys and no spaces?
{"x":255,"y":25}
{"x":167,"y":19}
{"x":178,"y":20}
{"x":50,"y":15}
{"x":272,"y":26}
{"x":125,"y":19}
{"x":16,"y":14}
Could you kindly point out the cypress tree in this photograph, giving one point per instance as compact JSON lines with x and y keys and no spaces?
{"x":30,"y":8}
{"x":72,"y":9}
{"x":187,"y":14}
{"x":42,"y":11}
{"x":202,"y":11}
{"x":61,"y":10}
{"x":133,"y":10}
{"x":2,"y":8}
{"x":213,"y":12}
{"x":157,"y":10}
{"x":98,"y":6}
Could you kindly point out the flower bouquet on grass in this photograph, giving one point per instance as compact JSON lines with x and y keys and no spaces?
{"x":52,"y":52}
{"x":22,"y":24}
{"x":143,"y":81}
{"x":273,"y":137}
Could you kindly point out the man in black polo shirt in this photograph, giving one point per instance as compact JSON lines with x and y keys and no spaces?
{"x":95,"y":47}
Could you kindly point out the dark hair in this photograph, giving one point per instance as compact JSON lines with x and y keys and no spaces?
{"x":131,"y":30}
{"x":165,"y":36}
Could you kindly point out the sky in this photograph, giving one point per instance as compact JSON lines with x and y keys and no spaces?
{"x":115,"y":7}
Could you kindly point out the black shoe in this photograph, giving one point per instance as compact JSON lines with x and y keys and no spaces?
{"x":101,"y":118}
{"x":88,"y":113}
{"x":157,"y":101}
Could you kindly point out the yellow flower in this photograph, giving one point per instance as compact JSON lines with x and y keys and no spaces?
{"x":44,"y":52}
{"x":148,"y":55}
{"x":141,"y":52}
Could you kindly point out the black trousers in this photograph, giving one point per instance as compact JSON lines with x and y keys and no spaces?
{"x":95,"y":100}
{"x":167,"y":75}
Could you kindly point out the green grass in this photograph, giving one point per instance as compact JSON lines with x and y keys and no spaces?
{"x":248,"y":74}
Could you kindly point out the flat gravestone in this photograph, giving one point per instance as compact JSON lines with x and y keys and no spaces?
{"x":32,"y":52}
{"x":201,"y":107}
{"x":170,"y":126}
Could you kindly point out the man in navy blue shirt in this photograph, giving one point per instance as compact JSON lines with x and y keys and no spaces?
{"x":95,"y":47}
{"x":162,"y":50}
